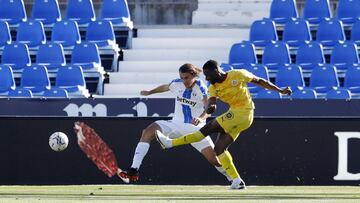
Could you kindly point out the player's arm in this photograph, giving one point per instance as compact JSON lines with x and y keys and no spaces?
{"x":159,"y":89}
{"x":269,"y":85}
{"x":211,"y":106}
{"x":203,"y":116}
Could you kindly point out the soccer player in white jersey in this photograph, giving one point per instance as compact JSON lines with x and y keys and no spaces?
{"x":191,"y":98}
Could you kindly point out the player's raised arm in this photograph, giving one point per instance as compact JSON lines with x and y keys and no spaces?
{"x":269,"y":85}
{"x":159,"y":89}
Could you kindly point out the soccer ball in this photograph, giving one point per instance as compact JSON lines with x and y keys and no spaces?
{"x":58,"y":141}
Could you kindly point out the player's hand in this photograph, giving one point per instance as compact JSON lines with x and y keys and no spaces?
{"x":145,"y":93}
{"x":196,"y":121}
{"x":286,"y":91}
{"x":211,"y":108}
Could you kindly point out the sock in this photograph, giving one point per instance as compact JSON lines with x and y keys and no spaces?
{"x":222,"y":171}
{"x":141,"y":150}
{"x":187,"y":139}
{"x":227,"y":163}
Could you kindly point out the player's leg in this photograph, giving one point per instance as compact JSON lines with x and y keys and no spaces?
{"x":142,"y":148}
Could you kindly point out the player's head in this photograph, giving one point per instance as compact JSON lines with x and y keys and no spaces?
{"x":188,"y":74}
{"x":212,"y":71}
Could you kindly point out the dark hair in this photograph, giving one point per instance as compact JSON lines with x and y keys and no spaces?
{"x":211,"y":64}
{"x":190,"y":68}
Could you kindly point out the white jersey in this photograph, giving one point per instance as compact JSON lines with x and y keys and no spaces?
{"x":189,"y":102}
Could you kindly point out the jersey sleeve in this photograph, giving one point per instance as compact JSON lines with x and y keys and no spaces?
{"x":172,"y":85}
{"x":245,"y":75}
{"x":202,"y":87}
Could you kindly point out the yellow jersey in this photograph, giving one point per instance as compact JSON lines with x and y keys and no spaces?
{"x":233,"y":90}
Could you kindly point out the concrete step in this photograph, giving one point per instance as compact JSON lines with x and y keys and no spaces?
{"x":156,"y":66}
{"x":184,"y":43}
{"x":187,"y":32}
{"x":175,"y":54}
{"x":132,"y":90}
{"x":244,"y":18}
{"x":142,"y":77}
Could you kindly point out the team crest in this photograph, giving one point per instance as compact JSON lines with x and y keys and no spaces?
{"x":234,"y":82}
{"x":229,"y":115}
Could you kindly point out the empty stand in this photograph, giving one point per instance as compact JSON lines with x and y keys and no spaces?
{"x":7,"y":81}
{"x":66,"y":32}
{"x":12,"y":11}
{"x":283,"y":10}
{"x":20,"y":93}
{"x":81,"y":11}
{"x":267,"y":94}
{"x":310,"y":55}
{"x":31,"y":33}
{"x":348,"y":11}
{"x":338,"y":93}
{"x":305,"y":93}
{"x":316,"y":10}
{"x":344,"y":54}
{"x":352,"y":78}
{"x":330,"y":32}
{"x":355,"y":32}
{"x":101,"y":33}
{"x":51,"y":55}
{"x":324,"y":78}
{"x":242,"y":53}
{"x":263,"y":32}
{"x":116,"y":11}
{"x":296,"y":32}
{"x":16,"y":55}
{"x":276,"y":55}
{"x":46,"y":11}
{"x":5,"y":37}
{"x":36,"y":79}
{"x":290,"y":76}
{"x":71,"y":79}
{"x":55,"y":93}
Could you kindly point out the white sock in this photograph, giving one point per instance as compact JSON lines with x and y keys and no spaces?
{"x":141,"y":150}
{"x":222,"y":171}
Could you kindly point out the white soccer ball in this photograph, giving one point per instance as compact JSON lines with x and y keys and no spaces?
{"x":58,"y":141}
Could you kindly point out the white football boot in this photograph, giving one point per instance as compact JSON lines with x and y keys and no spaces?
{"x":238,"y":184}
{"x":164,"y":141}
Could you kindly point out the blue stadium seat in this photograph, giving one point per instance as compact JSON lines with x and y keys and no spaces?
{"x":86,"y":55}
{"x":355,"y":33}
{"x":276,"y":55}
{"x":344,"y":54}
{"x":324,"y":78}
{"x":16,"y":55}
{"x":348,"y":11}
{"x":310,"y":55}
{"x":267,"y":94}
{"x":66,"y":32}
{"x":55,"y":93}
{"x":20,"y":93}
{"x":46,"y":11}
{"x":71,"y":78}
{"x":5,"y":37}
{"x":283,"y":10}
{"x":31,"y":33}
{"x":352,"y":78}
{"x":330,"y":32}
{"x":338,"y":93}
{"x":290,"y":76}
{"x":81,"y":11}
{"x":258,"y":70}
{"x":306,"y":93}
{"x":242,"y":53}
{"x":51,"y":55}
{"x":226,"y":67}
{"x":35,"y":78}
{"x":116,"y":11}
{"x":7,"y":81}
{"x":263,"y":32}
{"x":296,"y":32}
{"x":316,"y":10}
{"x":12,"y":11}
{"x":101,"y":33}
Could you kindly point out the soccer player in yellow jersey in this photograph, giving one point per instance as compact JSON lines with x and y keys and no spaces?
{"x":231,"y":88}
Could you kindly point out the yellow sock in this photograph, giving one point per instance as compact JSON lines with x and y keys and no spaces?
{"x":187,"y":139}
{"x":227,"y":163}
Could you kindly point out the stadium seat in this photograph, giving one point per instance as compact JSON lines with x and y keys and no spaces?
{"x":316,"y":10}
{"x":290,"y":76}
{"x":310,"y":55}
{"x":263,"y":32}
{"x":16,"y":55}
{"x":5,"y":37}
{"x":283,"y":10}
{"x":267,"y":94}
{"x":352,"y":78}
{"x":276,"y":55}
{"x":258,"y":70}
{"x":324,"y":78}
{"x":306,"y":93}
{"x":338,"y":93}
{"x":296,"y":32}
{"x":348,"y":11}
{"x":20,"y":93}
{"x":101,"y":33}
{"x":35,"y":78}
{"x":86,"y":55}
{"x":71,"y":78}
{"x":55,"y":93}
{"x":31,"y":33}
{"x":51,"y":55}
{"x":7,"y":81}
{"x":116,"y":11}
{"x":81,"y":11}
{"x":12,"y":11}
{"x":46,"y":11}
{"x":66,"y":32}
{"x":226,"y":67}
{"x":355,"y":32}
{"x":330,"y":32}
{"x":344,"y":54}
{"x":242,"y":54}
